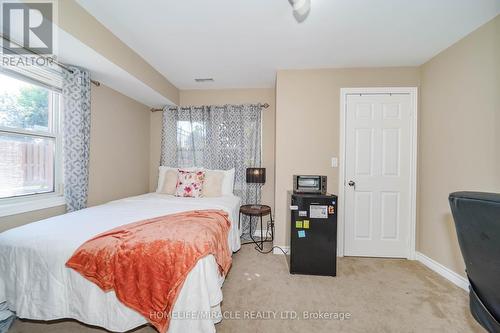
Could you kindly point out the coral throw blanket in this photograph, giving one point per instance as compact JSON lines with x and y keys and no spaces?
{"x":147,"y":262}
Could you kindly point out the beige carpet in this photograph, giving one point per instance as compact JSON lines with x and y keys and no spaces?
{"x":380,"y":295}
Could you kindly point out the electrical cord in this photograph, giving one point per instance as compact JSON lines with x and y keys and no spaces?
{"x":266,"y":240}
{"x":270,"y":250}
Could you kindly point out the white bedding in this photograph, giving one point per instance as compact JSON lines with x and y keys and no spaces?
{"x":36,"y":284}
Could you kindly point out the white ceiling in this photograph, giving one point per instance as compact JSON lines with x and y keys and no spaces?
{"x":241,"y":43}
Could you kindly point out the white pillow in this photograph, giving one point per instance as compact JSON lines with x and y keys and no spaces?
{"x":228,"y":182}
{"x":212,"y":184}
{"x":170,"y":182}
{"x":161,"y":177}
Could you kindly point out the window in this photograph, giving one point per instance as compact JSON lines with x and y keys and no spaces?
{"x":30,"y":144}
{"x":191,"y":141}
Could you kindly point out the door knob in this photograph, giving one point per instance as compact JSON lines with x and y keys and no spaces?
{"x":352,"y":183}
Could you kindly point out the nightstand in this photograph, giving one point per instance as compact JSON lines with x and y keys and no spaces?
{"x":257,"y":211}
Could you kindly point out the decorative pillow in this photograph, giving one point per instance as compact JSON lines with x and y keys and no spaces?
{"x":170,"y":181}
{"x":212,"y":185}
{"x":161,"y":176}
{"x":189,"y":183}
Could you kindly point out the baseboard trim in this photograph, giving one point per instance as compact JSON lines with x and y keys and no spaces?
{"x":256,"y":233}
{"x":278,"y":251}
{"x":444,"y":271}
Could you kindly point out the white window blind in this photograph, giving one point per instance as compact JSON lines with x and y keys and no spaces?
{"x":40,"y":69}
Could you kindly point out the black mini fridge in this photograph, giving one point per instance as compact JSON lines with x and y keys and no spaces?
{"x":313,"y":234}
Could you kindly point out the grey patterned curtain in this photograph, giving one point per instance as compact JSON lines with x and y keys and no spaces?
{"x":215,"y":137}
{"x":76,"y":136}
{"x":6,"y":317}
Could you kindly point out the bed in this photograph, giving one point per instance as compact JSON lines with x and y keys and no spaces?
{"x":35,"y":283}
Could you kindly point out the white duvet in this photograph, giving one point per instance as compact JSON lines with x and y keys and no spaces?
{"x":36,"y":284}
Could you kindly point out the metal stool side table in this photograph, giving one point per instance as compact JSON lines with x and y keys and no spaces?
{"x":257,"y":211}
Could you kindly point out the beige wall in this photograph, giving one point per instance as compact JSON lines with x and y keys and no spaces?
{"x":155,"y":148}
{"x":9,"y":222}
{"x":119,"y":147}
{"x":459,"y":142}
{"x":219,"y":97}
{"x":119,"y":153}
{"x":307,"y":123}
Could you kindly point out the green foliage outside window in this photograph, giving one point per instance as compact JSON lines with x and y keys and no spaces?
{"x":26,"y":109}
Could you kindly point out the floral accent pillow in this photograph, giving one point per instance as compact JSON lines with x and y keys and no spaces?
{"x":189,"y":183}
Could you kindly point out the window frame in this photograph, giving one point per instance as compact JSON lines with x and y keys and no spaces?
{"x":35,"y":201}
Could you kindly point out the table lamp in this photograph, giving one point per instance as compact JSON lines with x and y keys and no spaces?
{"x":256,"y":175}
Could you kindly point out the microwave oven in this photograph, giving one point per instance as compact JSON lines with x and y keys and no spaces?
{"x":309,"y":184}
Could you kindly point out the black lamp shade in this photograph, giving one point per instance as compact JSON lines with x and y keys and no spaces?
{"x":256,"y":175}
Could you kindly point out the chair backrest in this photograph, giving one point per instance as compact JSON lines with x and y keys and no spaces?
{"x":477,"y":221}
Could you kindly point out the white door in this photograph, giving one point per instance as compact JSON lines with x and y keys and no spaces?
{"x":378,"y":154}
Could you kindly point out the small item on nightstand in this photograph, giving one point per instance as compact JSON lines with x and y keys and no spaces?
{"x":256,"y":175}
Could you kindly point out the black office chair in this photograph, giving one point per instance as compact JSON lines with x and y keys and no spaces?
{"x":477,"y":221}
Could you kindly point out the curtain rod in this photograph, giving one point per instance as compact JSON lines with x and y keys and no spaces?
{"x":51,"y":59}
{"x":265,"y":106}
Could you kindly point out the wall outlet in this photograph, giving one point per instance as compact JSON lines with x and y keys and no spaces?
{"x":335,"y":162}
{"x":256,"y":233}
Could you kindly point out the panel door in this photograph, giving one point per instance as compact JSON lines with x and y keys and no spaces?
{"x":377,"y":175}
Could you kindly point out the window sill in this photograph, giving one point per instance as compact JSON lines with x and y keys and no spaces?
{"x":31,"y":204}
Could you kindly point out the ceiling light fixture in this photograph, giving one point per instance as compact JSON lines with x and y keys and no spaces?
{"x":301,"y":9}
{"x":208,"y":79}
